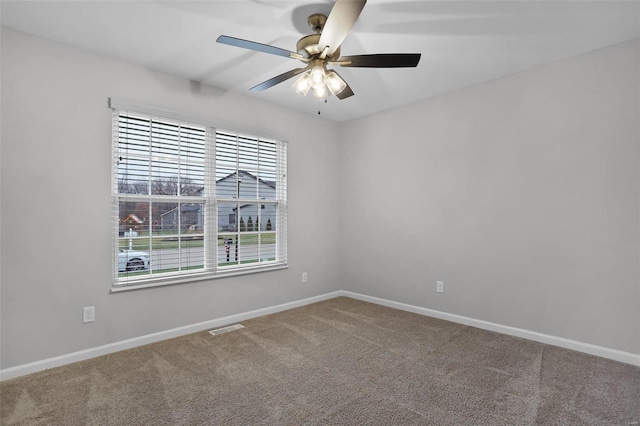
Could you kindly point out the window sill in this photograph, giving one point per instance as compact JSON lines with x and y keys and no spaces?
{"x":160,"y":282}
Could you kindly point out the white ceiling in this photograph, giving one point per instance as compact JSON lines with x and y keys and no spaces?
{"x":462,"y":42}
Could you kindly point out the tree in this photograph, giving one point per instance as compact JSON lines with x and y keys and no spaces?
{"x":126,"y":186}
{"x":141,"y":210}
{"x":268,"y":224}
{"x":242,"y":227}
{"x":188,"y":187}
{"x":249,"y":224}
{"x":164,"y":186}
{"x":151,"y":213}
{"x":169,"y":186}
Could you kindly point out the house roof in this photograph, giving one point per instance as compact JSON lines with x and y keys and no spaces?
{"x":184,"y":208}
{"x":134,"y":218}
{"x":269,"y":183}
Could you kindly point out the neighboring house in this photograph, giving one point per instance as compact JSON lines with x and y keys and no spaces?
{"x":191,"y":217}
{"x":231,"y":217}
{"x":249,"y":219}
{"x":249,"y":214}
{"x":131,"y":222}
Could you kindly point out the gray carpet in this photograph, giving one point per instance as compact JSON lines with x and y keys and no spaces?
{"x":338,"y":362}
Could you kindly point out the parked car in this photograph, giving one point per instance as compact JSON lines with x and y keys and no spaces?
{"x":133,"y":260}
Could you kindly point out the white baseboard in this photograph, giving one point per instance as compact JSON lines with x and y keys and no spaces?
{"x":613,"y":354}
{"x":33,"y":367}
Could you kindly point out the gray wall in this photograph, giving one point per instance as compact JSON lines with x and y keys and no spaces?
{"x":521,"y":194}
{"x":56,"y":223}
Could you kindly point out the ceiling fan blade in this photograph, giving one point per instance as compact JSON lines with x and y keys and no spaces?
{"x":343,"y":16}
{"x":381,"y":60}
{"x":258,"y":47}
{"x":278,"y":79}
{"x":346,"y":92}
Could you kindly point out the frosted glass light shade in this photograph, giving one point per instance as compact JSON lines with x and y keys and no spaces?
{"x":335,"y":83}
{"x":302,"y":84}
{"x":320,"y":93}
{"x":317,"y":76}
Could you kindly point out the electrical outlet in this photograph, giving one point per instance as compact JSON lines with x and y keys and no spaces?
{"x":440,"y":286}
{"x":88,"y":314}
{"x":304,"y":277}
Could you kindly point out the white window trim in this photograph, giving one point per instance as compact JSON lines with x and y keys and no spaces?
{"x":201,"y":276}
{"x":211,"y":230}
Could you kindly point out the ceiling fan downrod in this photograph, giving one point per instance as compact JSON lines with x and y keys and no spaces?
{"x":316,"y":22}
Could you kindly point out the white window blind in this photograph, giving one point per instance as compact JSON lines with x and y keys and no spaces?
{"x":251,"y":198}
{"x":191,"y":201}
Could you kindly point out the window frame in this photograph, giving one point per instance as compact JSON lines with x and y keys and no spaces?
{"x":210,"y":200}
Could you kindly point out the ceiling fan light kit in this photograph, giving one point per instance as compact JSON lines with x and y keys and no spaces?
{"x":320,"y":82}
{"x":323,"y":48}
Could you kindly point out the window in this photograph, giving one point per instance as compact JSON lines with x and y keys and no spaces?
{"x":191,"y":201}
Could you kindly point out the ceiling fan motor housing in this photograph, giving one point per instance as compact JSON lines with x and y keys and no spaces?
{"x":307,"y":46}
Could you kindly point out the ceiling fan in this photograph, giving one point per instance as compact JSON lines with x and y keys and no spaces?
{"x":323,"y":48}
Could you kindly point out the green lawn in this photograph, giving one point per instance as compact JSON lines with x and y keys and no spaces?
{"x":249,"y":238}
{"x":169,"y":241}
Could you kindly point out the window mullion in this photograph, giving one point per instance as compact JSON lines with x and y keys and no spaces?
{"x":210,"y":220}
{"x":150,"y":159}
